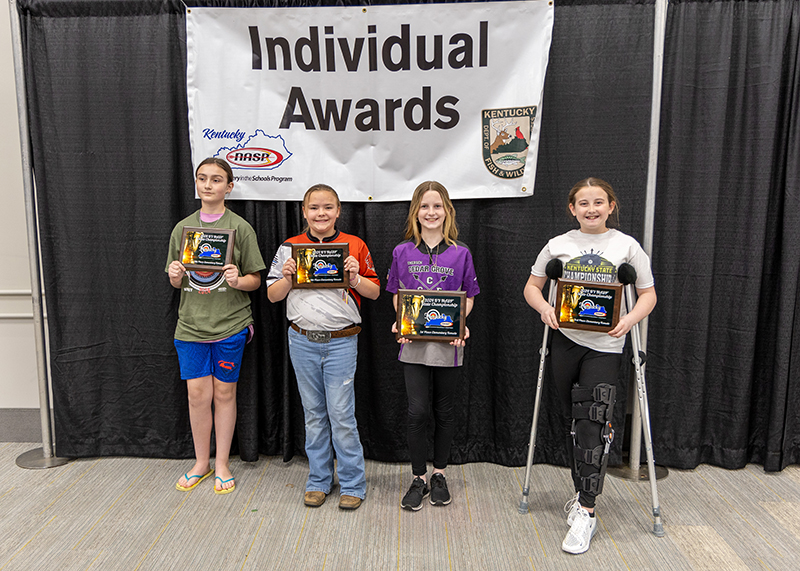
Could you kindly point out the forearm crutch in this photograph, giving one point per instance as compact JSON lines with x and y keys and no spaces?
{"x":627,"y":276}
{"x":554,"y":270}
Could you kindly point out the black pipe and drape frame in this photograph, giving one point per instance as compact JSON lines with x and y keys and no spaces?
{"x":108,"y":119}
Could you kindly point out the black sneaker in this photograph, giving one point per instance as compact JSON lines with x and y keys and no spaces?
{"x":416,"y":493}
{"x":439,"y":494}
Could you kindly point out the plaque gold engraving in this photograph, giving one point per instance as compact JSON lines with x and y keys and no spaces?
{"x":591,"y":306}
{"x":431,"y":315}
{"x":320,"y":265}
{"x":206,"y":249}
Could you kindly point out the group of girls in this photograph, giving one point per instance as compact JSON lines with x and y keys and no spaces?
{"x":215,"y":323}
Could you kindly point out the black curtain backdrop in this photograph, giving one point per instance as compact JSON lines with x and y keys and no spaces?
{"x":723,"y":359}
{"x":108,"y":116}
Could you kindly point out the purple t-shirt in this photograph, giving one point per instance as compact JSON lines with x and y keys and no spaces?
{"x":444,"y":267}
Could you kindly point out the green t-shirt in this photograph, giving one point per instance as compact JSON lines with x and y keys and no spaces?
{"x":210,"y":309}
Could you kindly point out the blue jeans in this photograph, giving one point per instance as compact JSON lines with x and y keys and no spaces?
{"x":325,"y":377}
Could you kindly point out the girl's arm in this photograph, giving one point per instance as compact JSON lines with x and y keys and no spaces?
{"x":644,"y":305}
{"x":365,"y":288}
{"x":176,"y":271}
{"x":535,"y":298}
{"x":281,"y":288}
{"x":249,"y":282}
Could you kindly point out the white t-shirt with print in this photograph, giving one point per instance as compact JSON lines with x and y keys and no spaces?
{"x":595,"y":258}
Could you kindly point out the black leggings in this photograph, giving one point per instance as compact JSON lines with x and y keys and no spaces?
{"x":418,"y":380}
{"x":574,"y":364}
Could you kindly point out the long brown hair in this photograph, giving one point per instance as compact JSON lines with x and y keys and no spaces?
{"x":613,"y":218}
{"x":449,"y":227}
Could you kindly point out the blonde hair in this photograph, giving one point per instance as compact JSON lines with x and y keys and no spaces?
{"x":613,"y":218}
{"x":449,"y":227}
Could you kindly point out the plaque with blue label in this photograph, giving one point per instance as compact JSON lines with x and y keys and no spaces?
{"x":431,"y":315}
{"x":591,"y":306}
{"x":320,"y":265}
{"x":206,"y":249}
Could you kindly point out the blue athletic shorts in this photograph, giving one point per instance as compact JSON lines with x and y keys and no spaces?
{"x":219,"y":358}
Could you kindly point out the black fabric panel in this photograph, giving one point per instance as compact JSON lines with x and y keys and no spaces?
{"x":99,"y":8}
{"x":107,"y":100}
{"x":595,"y":122}
{"x":727,"y":237}
{"x":108,"y":106}
{"x":110,"y":153}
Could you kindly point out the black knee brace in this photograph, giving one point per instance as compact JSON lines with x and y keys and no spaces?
{"x":596,"y":405}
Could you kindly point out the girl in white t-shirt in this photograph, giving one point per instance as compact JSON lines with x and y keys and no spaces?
{"x":586,"y":364}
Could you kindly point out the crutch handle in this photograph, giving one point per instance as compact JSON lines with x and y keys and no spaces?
{"x":626,"y":274}
{"x":554,"y":269}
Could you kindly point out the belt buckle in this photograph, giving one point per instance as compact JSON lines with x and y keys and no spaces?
{"x":318,"y":336}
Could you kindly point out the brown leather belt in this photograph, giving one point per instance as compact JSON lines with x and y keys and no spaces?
{"x":325,"y":336}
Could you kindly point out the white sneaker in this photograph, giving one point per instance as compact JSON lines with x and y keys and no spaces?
{"x":571,"y":508}
{"x":580,"y":534}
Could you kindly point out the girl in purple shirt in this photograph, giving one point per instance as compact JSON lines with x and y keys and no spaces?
{"x":430,"y":258}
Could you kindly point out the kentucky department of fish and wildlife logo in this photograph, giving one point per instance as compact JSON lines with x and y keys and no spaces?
{"x":506,"y":136}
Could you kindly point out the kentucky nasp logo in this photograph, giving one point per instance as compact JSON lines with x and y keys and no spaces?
{"x":506,"y":137}
{"x":435,"y":319}
{"x":259,"y":151}
{"x":590,"y":309}
{"x":323,"y":268}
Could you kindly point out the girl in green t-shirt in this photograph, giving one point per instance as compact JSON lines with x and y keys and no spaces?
{"x":214,"y":323}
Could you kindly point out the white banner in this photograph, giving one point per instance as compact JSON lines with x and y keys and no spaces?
{"x":370,"y":100}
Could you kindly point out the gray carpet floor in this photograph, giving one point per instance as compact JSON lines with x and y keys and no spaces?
{"x":125,"y":514}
